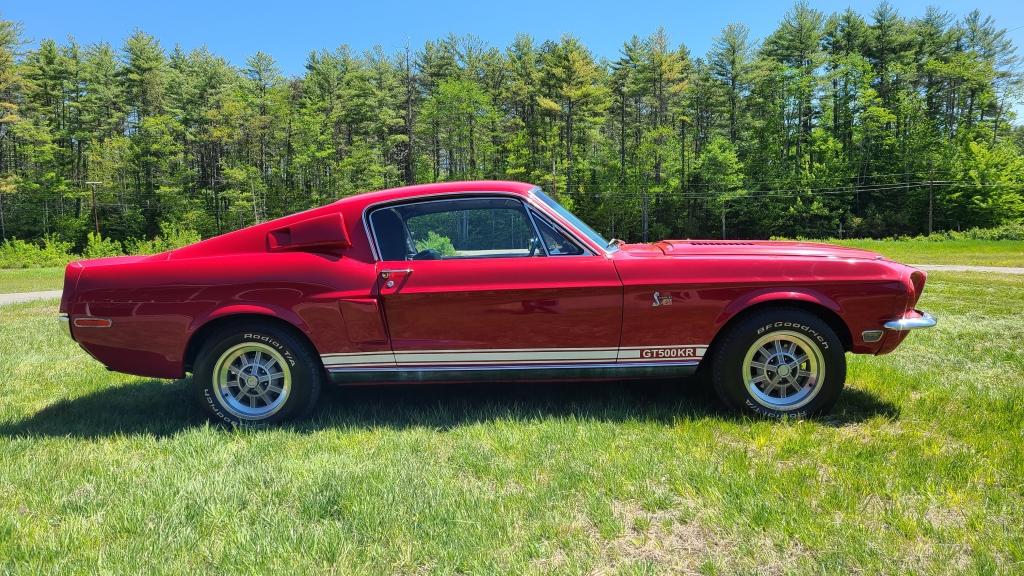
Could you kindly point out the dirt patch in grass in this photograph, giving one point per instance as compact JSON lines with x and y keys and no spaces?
{"x":668,"y":542}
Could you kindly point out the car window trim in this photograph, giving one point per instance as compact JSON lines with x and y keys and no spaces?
{"x":574,"y":233}
{"x":371,"y":234}
{"x":561,"y":230}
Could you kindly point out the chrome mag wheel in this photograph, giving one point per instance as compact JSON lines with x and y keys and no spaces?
{"x":252,"y":380}
{"x":783,"y":370}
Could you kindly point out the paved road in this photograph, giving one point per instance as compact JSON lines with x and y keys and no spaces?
{"x":27,"y":296}
{"x":959,"y":268}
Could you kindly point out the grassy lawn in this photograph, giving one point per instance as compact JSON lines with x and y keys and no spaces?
{"x":919,"y":469}
{"x":30,"y":279}
{"x":966,"y":252}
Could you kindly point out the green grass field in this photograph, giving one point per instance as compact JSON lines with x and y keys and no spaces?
{"x":30,"y":279}
{"x":967,"y":252}
{"x":918,"y":470}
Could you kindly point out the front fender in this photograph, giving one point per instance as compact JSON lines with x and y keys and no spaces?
{"x":761,"y":296}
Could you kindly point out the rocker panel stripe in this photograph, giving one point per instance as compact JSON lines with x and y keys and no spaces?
{"x":517,"y":356}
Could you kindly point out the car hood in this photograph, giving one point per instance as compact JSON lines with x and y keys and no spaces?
{"x":764,"y":248}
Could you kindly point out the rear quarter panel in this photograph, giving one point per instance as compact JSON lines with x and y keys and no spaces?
{"x":156,"y":306}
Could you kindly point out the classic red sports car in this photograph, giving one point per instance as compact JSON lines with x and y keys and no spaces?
{"x":484,"y":281}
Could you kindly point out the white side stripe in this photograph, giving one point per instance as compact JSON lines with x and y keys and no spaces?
{"x":358,"y":358}
{"x":516,"y":356}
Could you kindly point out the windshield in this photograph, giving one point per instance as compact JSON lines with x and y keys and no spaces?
{"x":575,"y":221}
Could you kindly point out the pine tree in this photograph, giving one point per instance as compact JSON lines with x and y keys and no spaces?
{"x":730,"y":64}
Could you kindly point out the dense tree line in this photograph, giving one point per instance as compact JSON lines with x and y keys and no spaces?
{"x":833,"y":124}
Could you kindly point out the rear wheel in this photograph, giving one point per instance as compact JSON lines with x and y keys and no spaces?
{"x":778,"y":362}
{"x":254,"y":373}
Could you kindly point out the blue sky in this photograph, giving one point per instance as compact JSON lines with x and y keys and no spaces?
{"x":288,"y":31}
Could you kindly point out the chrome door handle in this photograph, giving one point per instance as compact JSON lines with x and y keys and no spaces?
{"x":386,"y":276}
{"x":387,"y":273}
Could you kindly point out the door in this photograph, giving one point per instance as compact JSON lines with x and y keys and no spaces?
{"x":472,"y":282}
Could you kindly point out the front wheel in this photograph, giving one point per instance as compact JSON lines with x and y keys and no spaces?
{"x":779,"y":362}
{"x":253,"y":374}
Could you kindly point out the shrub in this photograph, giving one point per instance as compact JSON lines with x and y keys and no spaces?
{"x":56,"y":252}
{"x":53,"y":251}
{"x":176,"y":236}
{"x":435,"y":241}
{"x":99,"y":247}
{"x":1014,"y":231}
{"x":1010,"y":231}
{"x":171,"y":236}
{"x":16,"y":253}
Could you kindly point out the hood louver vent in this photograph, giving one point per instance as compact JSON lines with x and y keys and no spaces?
{"x":717,"y":243}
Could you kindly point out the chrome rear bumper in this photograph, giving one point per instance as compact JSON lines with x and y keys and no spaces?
{"x":912,"y":321}
{"x":65,"y":324}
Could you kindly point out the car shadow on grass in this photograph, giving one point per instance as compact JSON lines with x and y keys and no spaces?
{"x":160,"y":408}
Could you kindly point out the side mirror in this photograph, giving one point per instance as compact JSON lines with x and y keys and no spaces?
{"x":315,"y":234}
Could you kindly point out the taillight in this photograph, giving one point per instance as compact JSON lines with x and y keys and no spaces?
{"x":93,"y":322}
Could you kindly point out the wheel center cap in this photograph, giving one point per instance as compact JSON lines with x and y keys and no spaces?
{"x":251,"y":381}
{"x":783,"y":370}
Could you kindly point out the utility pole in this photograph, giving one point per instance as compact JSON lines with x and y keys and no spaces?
{"x":931,"y":204}
{"x":931,"y":196}
{"x":214,"y":181}
{"x":95,"y":212}
{"x":643,"y":211}
{"x":723,"y":219}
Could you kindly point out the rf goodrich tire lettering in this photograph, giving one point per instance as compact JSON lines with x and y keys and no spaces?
{"x":778,"y":362}
{"x":253,"y":374}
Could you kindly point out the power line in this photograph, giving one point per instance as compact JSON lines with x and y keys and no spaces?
{"x":611,"y":191}
{"x":832,"y":190}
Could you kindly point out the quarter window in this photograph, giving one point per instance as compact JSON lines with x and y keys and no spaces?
{"x":456,"y":228}
{"x":558,"y":243}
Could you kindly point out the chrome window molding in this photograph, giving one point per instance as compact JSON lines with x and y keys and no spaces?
{"x":576,"y":234}
{"x":528,"y":200}
{"x":558,"y":228}
{"x":536,"y":230}
{"x":368,"y":226}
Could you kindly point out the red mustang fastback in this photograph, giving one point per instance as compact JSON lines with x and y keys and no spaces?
{"x":484,"y":281}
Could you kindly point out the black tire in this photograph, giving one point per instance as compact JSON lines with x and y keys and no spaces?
{"x":729,"y":369}
{"x":303,"y":369}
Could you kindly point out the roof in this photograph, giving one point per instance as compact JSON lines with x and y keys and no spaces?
{"x":253,"y":238}
{"x":518,"y":188}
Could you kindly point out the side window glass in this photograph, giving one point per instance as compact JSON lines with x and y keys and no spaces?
{"x":457,"y":228}
{"x":557,"y":242}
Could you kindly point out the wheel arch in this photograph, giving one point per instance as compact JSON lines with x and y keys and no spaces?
{"x":217,"y":323}
{"x":806,"y":303}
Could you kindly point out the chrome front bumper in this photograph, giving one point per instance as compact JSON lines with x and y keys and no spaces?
{"x":921,"y":320}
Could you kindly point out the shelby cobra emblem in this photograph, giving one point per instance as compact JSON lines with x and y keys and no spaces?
{"x":660,"y":300}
